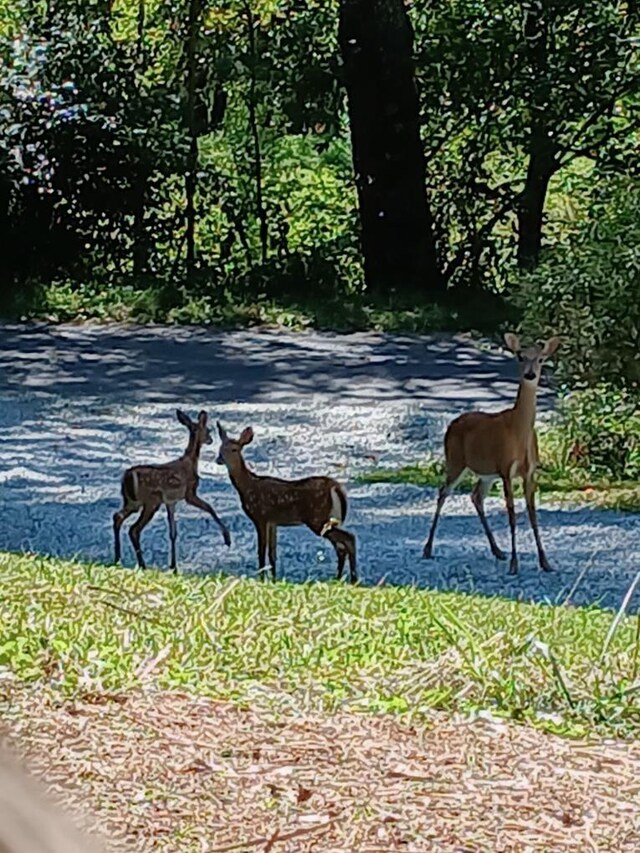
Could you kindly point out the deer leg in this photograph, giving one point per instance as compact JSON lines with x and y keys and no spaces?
{"x":272,"y":537}
{"x":529,"y":493}
{"x":480,"y":491}
{"x":173,"y":535}
{"x":148,"y":511}
{"x":341,"y":553}
{"x":443,"y":494}
{"x":345,"y":546}
{"x":194,"y":500}
{"x":118,"y":518}
{"x":261,"y":530}
{"x":508,"y":497}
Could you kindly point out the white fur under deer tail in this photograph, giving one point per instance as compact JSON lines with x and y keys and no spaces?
{"x":338,"y":506}
{"x":130,"y":486}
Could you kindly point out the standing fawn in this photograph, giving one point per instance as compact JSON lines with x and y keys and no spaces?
{"x":501,"y":445}
{"x":318,"y":502}
{"x":147,"y":487}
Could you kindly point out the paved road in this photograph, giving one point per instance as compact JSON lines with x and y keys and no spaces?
{"x":79,"y":404}
{"x":168,"y":364}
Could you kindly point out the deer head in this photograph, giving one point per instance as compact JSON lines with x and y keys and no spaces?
{"x":230,"y":453}
{"x":532,"y":358}
{"x":199,"y":433}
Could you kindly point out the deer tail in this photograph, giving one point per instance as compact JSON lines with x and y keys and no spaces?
{"x":338,"y":509}
{"x":130,"y":486}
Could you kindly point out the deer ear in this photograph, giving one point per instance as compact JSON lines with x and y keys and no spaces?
{"x":512,"y":342}
{"x":221,"y":431}
{"x":202,"y":418}
{"x":185,"y":420}
{"x":246,"y":436}
{"x":550,"y":347}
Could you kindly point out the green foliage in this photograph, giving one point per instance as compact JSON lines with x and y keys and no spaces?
{"x":75,"y":629}
{"x":599,"y":432}
{"x":509,"y":87}
{"x":588,"y":291}
{"x":97,"y":119}
{"x":157,"y":301}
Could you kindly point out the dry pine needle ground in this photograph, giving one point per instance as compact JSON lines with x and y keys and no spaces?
{"x":169,"y":772}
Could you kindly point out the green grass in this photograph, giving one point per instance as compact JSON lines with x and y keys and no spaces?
{"x":558,"y":480}
{"x":568,"y":488}
{"x":73,"y":629}
{"x":157,"y":302}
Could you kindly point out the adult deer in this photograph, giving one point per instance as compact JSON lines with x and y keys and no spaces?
{"x":501,"y":445}
{"x":147,"y":487}
{"x":320,"y":503}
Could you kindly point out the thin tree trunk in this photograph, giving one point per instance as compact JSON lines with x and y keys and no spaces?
{"x":140,"y":241}
{"x":255,"y":135}
{"x":49,"y":17}
{"x":140,"y":28}
{"x":140,"y":237}
{"x":195,"y":9}
{"x":376,"y":43}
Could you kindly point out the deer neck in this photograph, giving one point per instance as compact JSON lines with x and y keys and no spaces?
{"x":524,"y":410}
{"x":240,"y":475}
{"x":192,"y":453}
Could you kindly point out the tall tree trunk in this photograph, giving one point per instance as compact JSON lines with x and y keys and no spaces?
{"x":542,"y":152}
{"x":190,"y":181}
{"x":255,"y":134}
{"x":376,"y":43}
{"x":542,"y":165}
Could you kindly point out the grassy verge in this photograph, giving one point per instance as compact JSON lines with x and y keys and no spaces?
{"x":157,"y":302}
{"x":558,"y":479}
{"x":76,"y":629}
{"x":569,"y":488}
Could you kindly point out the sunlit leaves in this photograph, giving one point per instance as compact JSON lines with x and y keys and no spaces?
{"x":491,"y":76}
{"x":588,"y":290}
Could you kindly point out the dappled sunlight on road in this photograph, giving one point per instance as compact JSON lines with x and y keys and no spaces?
{"x":61,"y":461}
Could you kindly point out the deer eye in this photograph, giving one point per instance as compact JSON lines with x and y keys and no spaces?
{"x":519,"y":356}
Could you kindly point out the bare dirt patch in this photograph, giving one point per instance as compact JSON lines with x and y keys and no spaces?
{"x":170,"y":772}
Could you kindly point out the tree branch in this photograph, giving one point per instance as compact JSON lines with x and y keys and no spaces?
{"x":591,"y":150}
{"x":479,"y":236}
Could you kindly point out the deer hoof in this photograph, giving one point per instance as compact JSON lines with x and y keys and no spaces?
{"x":544,"y":565}
{"x":227,"y":537}
{"x":427,"y":553}
{"x":513,"y":568}
{"x":499,"y":554}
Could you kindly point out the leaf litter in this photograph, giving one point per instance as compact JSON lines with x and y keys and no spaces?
{"x":166,"y":771}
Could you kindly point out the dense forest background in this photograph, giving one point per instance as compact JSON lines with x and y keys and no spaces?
{"x":351,"y":162}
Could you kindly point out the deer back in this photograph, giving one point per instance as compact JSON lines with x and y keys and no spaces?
{"x":487,"y":443}
{"x":311,"y":501}
{"x":169,"y":482}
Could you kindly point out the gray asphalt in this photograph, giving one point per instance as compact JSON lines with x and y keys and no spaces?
{"x":78,"y":404}
{"x":182,"y":364}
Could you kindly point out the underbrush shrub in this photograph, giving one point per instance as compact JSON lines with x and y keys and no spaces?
{"x":587,"y":290}
{"x":599,"y":429}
